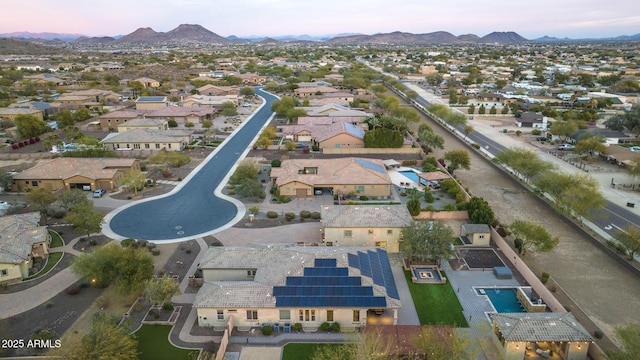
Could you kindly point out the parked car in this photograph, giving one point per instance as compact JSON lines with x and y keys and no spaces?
{"x":318,"y":191}
{"x":542,"y":138}
{"x":300,"y":145}
{"x":566,"y":147}
{"x":98,"y":193}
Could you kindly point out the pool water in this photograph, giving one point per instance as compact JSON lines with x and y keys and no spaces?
{"x":411,"y":175}
{"x":503,"y":300}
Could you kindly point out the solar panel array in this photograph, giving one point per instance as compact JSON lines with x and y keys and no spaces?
{"x":375,"y":264}
{"x":326,"y":285}
{"x":371,"y":166}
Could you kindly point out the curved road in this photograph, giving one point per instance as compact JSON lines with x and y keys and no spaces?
{"x":193,"y":209}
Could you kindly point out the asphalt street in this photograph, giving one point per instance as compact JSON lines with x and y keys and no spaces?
{"x":196,"y":207}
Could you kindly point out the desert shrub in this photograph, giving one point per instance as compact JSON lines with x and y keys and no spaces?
{"x":335,"y":327}
{"x":154,"y":313}
{"x":93,"y":242}
{"x":276,"y":163}
{"x":364,"y":198}
{"x":536,"y":132}
{"x":84,"y":285}
{"x":167,"y":306}
{"x":267,"y":330}
{"x":155,"y":251}
{"x":128,"y":243}
{"x":325,"y":326}
{"x":462,"y":206}
{"x":284,"y":199}
{"x":315,"y":215}
{"x":103,"y":302}
{"x":544,"y":277}
{"x":305,"y":214}
{"x":289,"y":216}
{"x":72,"y":290}
{"x":429,"y":208}
{"x":297,"y":327}
{"x":231,"y":192}
{"x":49,"y":304}
{"x":428,"y":196}
{"x":142,"y":243}
{"x":409,"y":162}
{"x":450,"y":207}
{"x":56,"y":211}
{"x":151,"y":246}
{"x":598,"y":334}
{"x":272,"y":214}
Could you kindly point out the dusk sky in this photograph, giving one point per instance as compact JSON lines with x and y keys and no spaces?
{"x":531,"y":19}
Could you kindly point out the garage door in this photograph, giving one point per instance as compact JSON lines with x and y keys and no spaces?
{"x":300,"y":193}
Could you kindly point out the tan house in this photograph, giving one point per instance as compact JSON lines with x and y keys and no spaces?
{"x":326,"y":132}
{"x":475,"y":234}
{"x":147,"y":139}
{"x":308,"y":92}
{"x":22,"y":240}
{"x":67,"y":173}
{"x":520,"y":336}
{"x":111,"y":120}
{"x":213,"y":90}
{"x":342,"y":177}
{"x":379,"y":226}
{"x":148,"y":82}
{"x":183,"y":114}
{"x":11,"y":113}
{"x":147,"y":103}
{"x":144,"y":123}
{"x":74,"y":102}
{"x":280,"y":285}
{"x":211,"y":101}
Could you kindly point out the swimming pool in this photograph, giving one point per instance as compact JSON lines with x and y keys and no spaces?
{"x":503,"y":300}
{"x":412,"y":175}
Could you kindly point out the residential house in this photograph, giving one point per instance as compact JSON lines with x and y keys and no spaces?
{"x":67,"y":173}
{"x":326,"y":132}
{"x":148,"y":82}
{"x":214,"y":102}
{"x":281,"y":285}
{"x":148,"y":103}
{"x":44,"y":107}
{"x":147,"y":139}
{"x":70,"y":101}
{"x":183,"y":114}
{"x":213,"y":90}
{"x":336,"y":110}
{"x":45,"y":79}
{"x":520,"y":336}
{"x":532,"y":120}
{"x":345,"y":176}
{"x":144,"y":123}
{"x":623,"y":156}
{"x":379,"y":226}
{"x":10,"y":113}
{"x":111,"y":120}
{"x":252,"y":79}
{"x":475,"y":234}
{"x":22,"y":240}
{"x":308,"y":92}
{"x":611,"y":137}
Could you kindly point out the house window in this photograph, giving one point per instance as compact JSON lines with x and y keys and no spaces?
{"x":329,"y":315}
{"x":285,"y":314}
{"x":34,"y":183}
{"x":157,"y":146}
{"x":4,"y":272}
{"x":251,"y":273}
{"x":307,"y":315}
{"x":356,"y":315}
{"x":169,"y":146}
{"x":480,"y":236}
{"x":252,"y":314}
{"x":220,"y":314}
{"x":136,"y":146}
{"x":348,"y":233}
{"x":381,"y":243}
{"x":146,"y":146}
{"x":389,"y":232}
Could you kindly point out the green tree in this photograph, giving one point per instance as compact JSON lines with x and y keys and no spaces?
{"x":39,"y":199}
{"x":630,"y":239}
{"x":189,"y":124}
{"x":629,"y":338}
{"x":247,"y":91}
{"x":482,"y":110}
{"x":159,"y":291}
{"x":591,"y":144}
{"x":64,"y":118}
{"x":493,"y":110}
{"x":290,"y":145}
{"x":440,"y":343}
{"x":533,"y":236}
{"x":468,"y":129}
{"x":250,"y":188}
{"x":413,"y":205}
{"x":480,"y":211}
{"x":206,"y":124}
{"x":472,"y":109}
{"x":85,"y":219}
{"x":294,"y":114}
{"x":383,"y":138}
{"x":501,"y":83}
{"x":134,"y":180}
{"x":457,"y":159}
{"x":286,"y":103}
{"x":105,"y":340}
{"x":505,"y":110}
{"x":29,"y":126}
{"x":172,"y":123}
{"x":243,"y":173}
{"x":72,"y":198}
{"x":427,"y":241}
{"x":136,"y":88}
{"x":577,"y":194}
{"x":524,"y":162}
{"x":427,"y":138}
{"x":564,"y":129}
{"x":228,"y":108}
{"x":6,"y":180}
{"x":81,"y":114}
{"x":128,"y":269}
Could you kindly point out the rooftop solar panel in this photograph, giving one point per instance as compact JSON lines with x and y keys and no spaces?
{"x":325,"y":262}
{"x":371,"y":166}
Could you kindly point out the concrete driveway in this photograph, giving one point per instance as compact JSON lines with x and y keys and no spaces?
{"x":192,"y":209}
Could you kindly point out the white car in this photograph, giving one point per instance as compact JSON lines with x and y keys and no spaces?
{"x":566,"y":147}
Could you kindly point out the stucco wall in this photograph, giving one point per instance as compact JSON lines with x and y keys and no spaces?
{"x":355,"y":151}
{"x":362,"y":237}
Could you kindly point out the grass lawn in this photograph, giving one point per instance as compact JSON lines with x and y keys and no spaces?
{"x":52,"y":260}
{"x":153,"y":344}
{"x":436,"y":304}
{"x":301,"y":351}
{"x":56,"y":240}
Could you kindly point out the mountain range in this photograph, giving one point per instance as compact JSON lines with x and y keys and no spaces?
{"x":197,"y":34}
